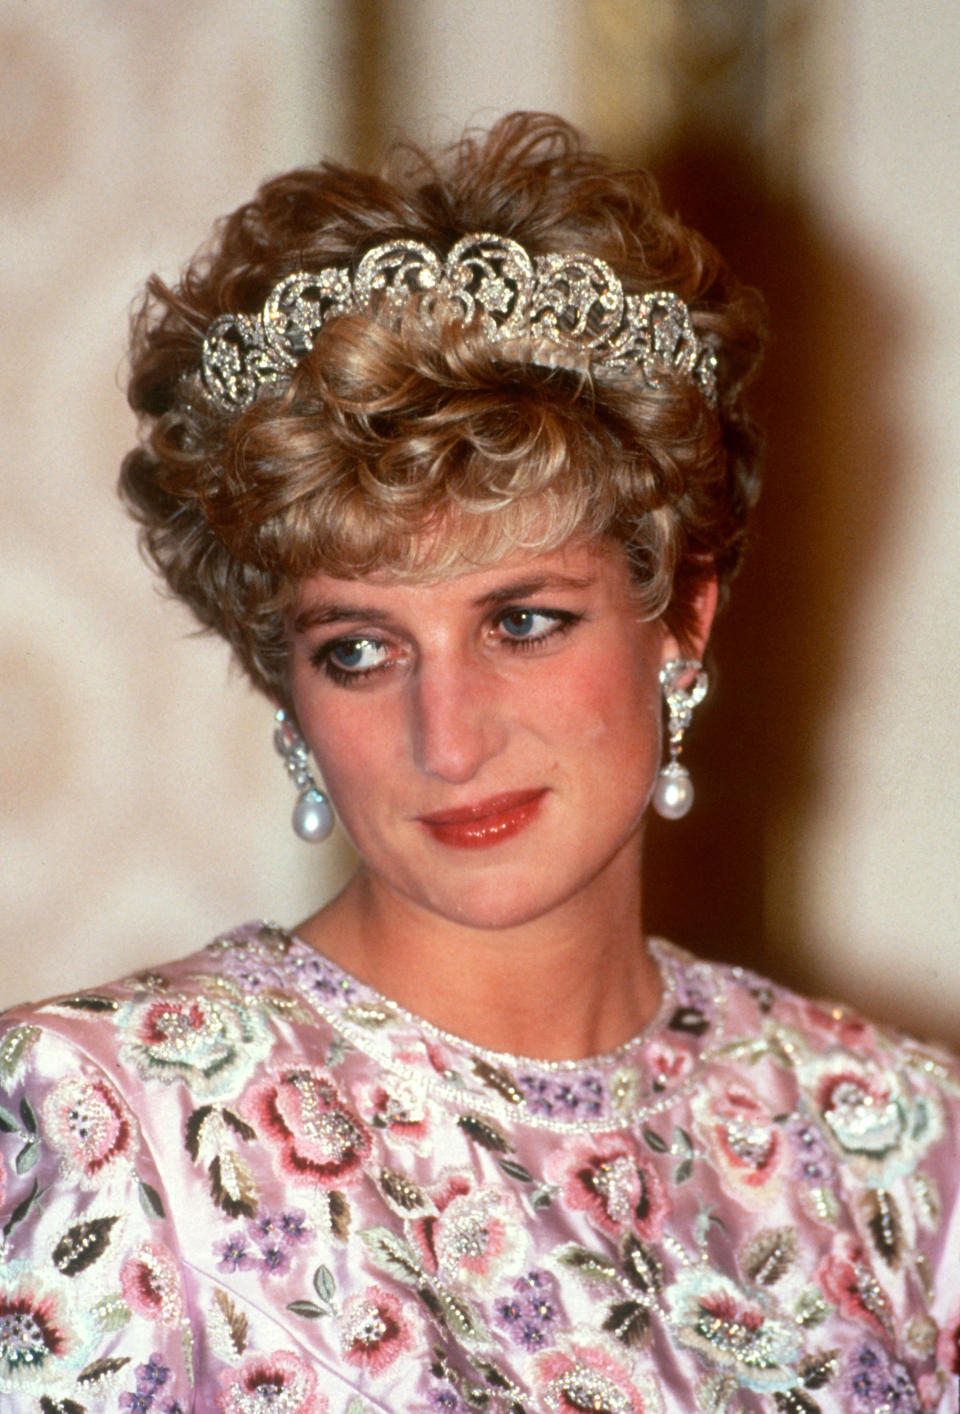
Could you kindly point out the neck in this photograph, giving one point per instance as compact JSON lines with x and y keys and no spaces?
{"x":577,"y":982}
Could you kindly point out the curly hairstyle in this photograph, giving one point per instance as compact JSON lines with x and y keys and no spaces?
{"x":416,"y":451}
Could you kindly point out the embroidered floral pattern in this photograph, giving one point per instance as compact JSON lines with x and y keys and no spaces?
{"x":210,"y":1042}
{"x":476,"y":1236}
{"x":587,"y":1373}
{"x":91,"y":1127}
{"x":37,"y":1335}
{"x":280,"y":1383}
{"x":530,"y":1314}
{"x":150,"y":1282}
{"x":735,"y":1331}
{"x":740,"y":1134}
{"x":876,"y":1122}
{"x":374,"y":1330}
{"x":317,"y":1140}
{"x":751,"y":1205}
{"x":611,"y":1180}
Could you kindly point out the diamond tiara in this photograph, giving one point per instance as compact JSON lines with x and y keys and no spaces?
{"x":559,"y":310}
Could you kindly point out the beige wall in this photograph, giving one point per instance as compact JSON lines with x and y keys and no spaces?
{"x":141,"y":807}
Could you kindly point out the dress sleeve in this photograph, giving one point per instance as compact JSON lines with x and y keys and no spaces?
{"x":93,"y":1303}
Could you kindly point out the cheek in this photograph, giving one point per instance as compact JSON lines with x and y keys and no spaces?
{"x":608,"y":701}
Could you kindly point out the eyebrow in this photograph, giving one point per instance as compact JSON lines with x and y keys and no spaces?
{"x":316,"y":615}
{"x":320,"y":614}
{"x":527,"y":588}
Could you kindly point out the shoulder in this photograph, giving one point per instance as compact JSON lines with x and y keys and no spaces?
{"x":202,"y":1023}
{"x":875,"y":1108}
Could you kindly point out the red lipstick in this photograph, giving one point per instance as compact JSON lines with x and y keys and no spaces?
{"x":485,"y":822}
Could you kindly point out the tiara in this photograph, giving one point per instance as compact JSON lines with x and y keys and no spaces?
{"x":559,"y":310}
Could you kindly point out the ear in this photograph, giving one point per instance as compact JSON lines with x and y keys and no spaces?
{"x":703,"y":607}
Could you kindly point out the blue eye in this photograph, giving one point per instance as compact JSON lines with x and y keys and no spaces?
{"x":356,"y":655}
{"x":531,"y":627}
{"x":521,"y":623}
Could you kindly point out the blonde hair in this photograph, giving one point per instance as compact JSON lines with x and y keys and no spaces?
{"x":419,"y":450}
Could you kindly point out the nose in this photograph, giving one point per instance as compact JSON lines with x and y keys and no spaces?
{"x":459,"y":722}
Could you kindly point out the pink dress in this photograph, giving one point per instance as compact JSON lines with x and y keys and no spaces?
{"x":247,"y":1183}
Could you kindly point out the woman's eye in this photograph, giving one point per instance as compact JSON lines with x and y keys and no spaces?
{"x":533,"y":625}
{"x":354,"y":655}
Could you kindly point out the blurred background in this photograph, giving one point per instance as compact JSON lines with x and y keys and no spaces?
{"x":142,"y":808}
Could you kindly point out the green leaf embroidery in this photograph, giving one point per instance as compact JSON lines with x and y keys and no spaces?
{"x":592,"y":1266}
{"x":308,"y":1309}
{"x":392,"y":1254}
{"x":8,"y":1123}
{"x":514,"y":1170}
{"x":14,"y":1047}
{"x":460,"y":1317}
{"x":150,"y":1200}
{"x":27,"y":1156}
{"x":658,"y":1145}
{"x":324,"y":1284}
{"x":22,"y":1209}
{"x":28,"y":1116}
{"x":111,"y":1313}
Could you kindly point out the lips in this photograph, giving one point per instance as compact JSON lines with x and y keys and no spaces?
{"x":484,"y":822}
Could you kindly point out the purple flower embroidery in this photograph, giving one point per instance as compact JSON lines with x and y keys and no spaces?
{"x":568,"y":1097}
{"x":153,"y":1375}
{"x":528,"y":1314}
{"x":137,"y":1401}
{"x":274,"y":1260}
{"x":235,"y":1255}
{"x":875,"y":1381}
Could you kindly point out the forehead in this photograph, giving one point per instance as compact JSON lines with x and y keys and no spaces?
{"x":593,"y":567}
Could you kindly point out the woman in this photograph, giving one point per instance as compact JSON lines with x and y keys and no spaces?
{"x":458,"y":464}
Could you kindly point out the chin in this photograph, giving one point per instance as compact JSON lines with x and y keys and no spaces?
{"x":495,"y":903}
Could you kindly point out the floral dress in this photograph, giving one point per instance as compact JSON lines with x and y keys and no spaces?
{"x":247,"y":1183}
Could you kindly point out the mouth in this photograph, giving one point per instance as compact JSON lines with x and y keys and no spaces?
{"x":485,"y":822}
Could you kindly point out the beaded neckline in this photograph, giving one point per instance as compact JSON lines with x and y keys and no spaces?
{"x":641,"y":1077}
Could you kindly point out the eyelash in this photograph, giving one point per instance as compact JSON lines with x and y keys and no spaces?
{"x":561,"y":622}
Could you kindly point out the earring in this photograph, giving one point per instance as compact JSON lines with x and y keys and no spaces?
{"x":673,"y":793}
{"x":312,"y":814}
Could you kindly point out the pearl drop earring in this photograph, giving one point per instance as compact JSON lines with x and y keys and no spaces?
{"x":312,"y":814}
{"x":673,"y":793}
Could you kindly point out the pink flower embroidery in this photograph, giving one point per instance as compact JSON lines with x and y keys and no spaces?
{"x":476,"y":1237}
{"x":882,"y":1127}
{"x":398,"y":1106}
{"x":739,"y":1130}
{"x":270,"y":1383}
{"x":845,"y":1026}
{"x":847,"y":1279}
{"x":607,"y":1177}
{"x":34,"y":1335}
{"x":374,"y":1330}
{"x":589,"y":1373}
{"x":210,"y":1043}
{"x":734,"y":1330}
{"x":667,"y":1064}
{"x":318,"y":1141}
{"x":150,"y":1282}
{"x":89,"y":1124}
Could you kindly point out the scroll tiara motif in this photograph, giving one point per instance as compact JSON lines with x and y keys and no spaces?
{"x":562,"y":310}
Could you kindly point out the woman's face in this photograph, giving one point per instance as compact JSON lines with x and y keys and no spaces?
{"x":489,"y":741}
